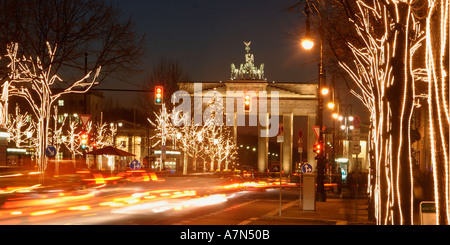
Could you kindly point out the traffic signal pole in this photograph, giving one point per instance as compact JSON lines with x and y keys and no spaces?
{"x":320,"y":195}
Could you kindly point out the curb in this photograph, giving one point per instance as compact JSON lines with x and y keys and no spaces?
{"x":274,"y":215}
{"x":324,"y":221}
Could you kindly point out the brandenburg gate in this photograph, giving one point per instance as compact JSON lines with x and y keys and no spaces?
{"x":295,"y":99}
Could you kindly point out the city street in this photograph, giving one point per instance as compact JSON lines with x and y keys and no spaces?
{"x":192,"y":200}
{"x":224,"y":113}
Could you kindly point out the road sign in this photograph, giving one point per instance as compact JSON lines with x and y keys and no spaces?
{"x":280,"y":129}
{"x":280,"y":135}
{"x":300,"y":133}
{"x":316,"y":130}
{"x":280,"y":139}
{"x":356,"y":149}
{"x":135,"y":165}
{"x":307,"y":168}
{"x":85,"y":119}
{"x":50,"y":151}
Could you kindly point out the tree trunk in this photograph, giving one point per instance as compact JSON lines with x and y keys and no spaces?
{"x":393,"y":126}
{"x":185,"y":163}
{"x":194,"y":163}
{"x":438,"y":103}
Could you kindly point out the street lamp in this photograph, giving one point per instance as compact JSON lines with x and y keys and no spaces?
{"x":307,"y":43}
{"x":331,"y":105}
{"x":322,"y":91}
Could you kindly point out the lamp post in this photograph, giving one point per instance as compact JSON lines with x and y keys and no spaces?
{"x":307,"y":43}
{"x":321,"y":195}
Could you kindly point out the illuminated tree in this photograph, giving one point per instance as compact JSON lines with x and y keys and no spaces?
{"x":189,"y":139}
{"x":386,"y":61}
{"x":437,"y":76}
{"x":164,"y":128}
{"x":219,"y":141}
{"x":57,"y":138}
{"x":96,"y":32}
{"x":104,"y":136}
{"x":41,"y":87}
{"x":73,"y":140}
{"x":224,"y":149}
{"x":207,"y":140}
{"x":20,"y":128}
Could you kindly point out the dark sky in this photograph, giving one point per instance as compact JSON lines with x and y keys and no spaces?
{"x":206,"y":36}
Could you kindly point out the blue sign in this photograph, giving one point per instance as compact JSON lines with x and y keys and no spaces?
{"x":135,"y":165}
{"x":307,"y":168}
{"x":50,"y":151}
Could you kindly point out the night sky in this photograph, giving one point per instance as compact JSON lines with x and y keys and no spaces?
{"x":205,"y":37}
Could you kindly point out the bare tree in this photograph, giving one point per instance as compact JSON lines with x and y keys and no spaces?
{"x":35,"y":84}
{"x":83,"y":29}
{"x":166,"y":73}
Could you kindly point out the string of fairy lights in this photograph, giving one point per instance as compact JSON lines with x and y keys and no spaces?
{"x":30,"y":80}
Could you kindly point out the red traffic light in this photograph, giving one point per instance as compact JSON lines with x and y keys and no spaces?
{"x":280,"y":129}
{"x":317,"y":148}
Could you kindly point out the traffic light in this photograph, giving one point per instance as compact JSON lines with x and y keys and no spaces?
{"x":247,"y":102}
{"x":94,"y":145}
{"x":84,"y":140}
{"x":159,"y":92}
{"x":318,"y":149}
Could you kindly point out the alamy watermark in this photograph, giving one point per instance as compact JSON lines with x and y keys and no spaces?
{"x":214,"y":101}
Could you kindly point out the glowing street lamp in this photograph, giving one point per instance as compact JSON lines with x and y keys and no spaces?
{"x":331,"y":105}
{"x":307,"y":43}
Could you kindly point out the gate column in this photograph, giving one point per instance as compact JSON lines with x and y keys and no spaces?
{"x":286,"y":155}
{"x":263,"y":145}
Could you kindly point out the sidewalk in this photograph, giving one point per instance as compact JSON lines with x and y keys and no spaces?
{"x":335,"y":211}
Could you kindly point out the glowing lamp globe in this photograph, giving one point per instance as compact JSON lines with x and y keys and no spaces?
{"x":331,"y":105}
{"x":307,"y":43}
{"x":325,"y":91}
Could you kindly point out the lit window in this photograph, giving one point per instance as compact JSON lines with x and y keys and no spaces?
{"x":60,"y":102}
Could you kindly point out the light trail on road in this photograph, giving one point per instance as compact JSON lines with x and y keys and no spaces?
{"x":100,"y":204}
